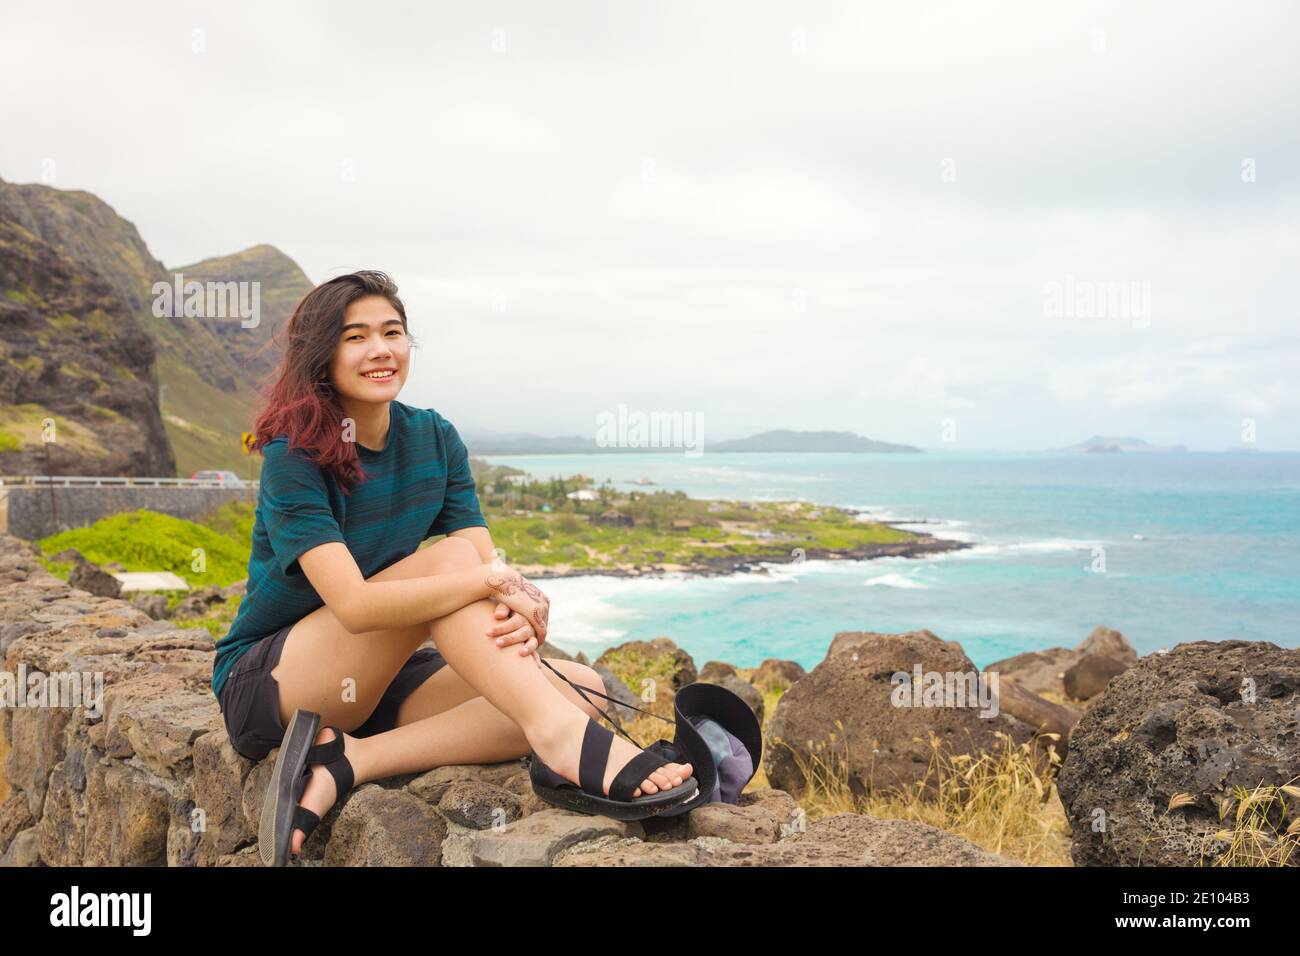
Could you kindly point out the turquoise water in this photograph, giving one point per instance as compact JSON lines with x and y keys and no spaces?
{"x":1165,"y":548}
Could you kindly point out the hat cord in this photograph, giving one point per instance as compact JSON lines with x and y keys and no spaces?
{"x":607,"y":715}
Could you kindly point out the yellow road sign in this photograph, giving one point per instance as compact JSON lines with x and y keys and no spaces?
{"x":247,"y":438}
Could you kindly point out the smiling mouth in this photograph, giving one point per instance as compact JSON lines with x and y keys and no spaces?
{"x":382,"y":375}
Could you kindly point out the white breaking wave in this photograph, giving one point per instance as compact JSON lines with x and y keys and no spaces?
{"x":882,"y":514}
{"x":942,"y":529}
{"x":1046,"y":546}
{"x":895,"y":581}
{"x":583,"y":610}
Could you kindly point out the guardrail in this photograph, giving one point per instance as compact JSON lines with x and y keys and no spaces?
{"x":113,"y":481}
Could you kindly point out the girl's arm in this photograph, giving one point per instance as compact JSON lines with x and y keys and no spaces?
{"x":362,"y":605}
{"x":480,"y":538}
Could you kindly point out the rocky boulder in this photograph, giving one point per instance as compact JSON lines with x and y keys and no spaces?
{"x":1108,"y":643}
{"x":93,"y":579}
{"x":1090,"y":675}
{"x":155,"y":605}
{"x":846,"y":839}
{"x":844,"y":714}
{"x":714,"y":671}
{"x":1199,"y":720}
{"x":1043,"y":672}
{"x":682,"y":667}
{"x":773,"y":673}
{"x":198,"y":603}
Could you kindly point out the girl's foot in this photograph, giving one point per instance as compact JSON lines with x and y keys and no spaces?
{"x":563,"y":749}
{"x":320,"y":794}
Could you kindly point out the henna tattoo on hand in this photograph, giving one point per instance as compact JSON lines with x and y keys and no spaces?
{"x":511,"y":583}
{"x":504,"y":583}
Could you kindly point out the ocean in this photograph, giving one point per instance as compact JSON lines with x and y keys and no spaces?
{"x":1166,"y":548}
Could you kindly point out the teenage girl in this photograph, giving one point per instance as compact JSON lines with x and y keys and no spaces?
{"x":340,"y":598}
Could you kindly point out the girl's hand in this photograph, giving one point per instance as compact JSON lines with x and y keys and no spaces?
{"x":521,"y":595}
{"x":511,"y":628}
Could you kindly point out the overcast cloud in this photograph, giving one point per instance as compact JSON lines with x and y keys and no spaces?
{"x":779,"y":215}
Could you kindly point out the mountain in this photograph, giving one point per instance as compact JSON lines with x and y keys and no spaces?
{"x":483,"y":442}
{"x":206,"y":370}
{"x":1107,"y":444}
{"x":791,"y":441}
{"x":202,"y":422}
{"x":72,"y":351}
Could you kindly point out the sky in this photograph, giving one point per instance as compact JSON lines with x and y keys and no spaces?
{"x":958,"y":225}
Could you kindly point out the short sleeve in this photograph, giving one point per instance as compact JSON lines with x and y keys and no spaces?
{"x":460,"y":508}
{"x":295,"y":506}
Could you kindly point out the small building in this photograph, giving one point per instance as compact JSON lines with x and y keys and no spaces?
{"x":582,"y":494}
{"x":681,"y":524}
{"x":615,"y":519}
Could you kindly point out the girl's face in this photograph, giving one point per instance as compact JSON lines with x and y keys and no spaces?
{"x":371,"y":342}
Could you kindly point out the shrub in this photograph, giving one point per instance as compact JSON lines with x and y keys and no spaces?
{"x":149,"y":541}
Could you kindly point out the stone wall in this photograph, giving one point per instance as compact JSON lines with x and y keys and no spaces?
{"x":150,"y":778}
{"x":30,"y":514}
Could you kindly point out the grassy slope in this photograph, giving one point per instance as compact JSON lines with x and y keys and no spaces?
{"x":203,"y":422}
{"x":549,"y":539}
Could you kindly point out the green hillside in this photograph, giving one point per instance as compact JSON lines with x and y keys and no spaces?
{"x":205,"y":372}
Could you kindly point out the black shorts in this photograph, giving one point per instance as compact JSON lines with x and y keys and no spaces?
{"x":250,"y":698}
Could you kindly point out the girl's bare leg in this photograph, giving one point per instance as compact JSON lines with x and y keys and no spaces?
{"x":518,"y":687}
{"x":469,"y":732}
{"x":522,"y":705}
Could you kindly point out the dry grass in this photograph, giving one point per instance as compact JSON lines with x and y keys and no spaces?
{"x":1004,"y":801}
{"x":1263,"y":829}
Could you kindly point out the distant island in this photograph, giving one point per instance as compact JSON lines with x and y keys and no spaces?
{"x":791,"y":441}
{"x":780,"y":440}
{"x":1110,"y":445}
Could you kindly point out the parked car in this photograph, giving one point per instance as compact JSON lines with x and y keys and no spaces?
{"x":220,"y":477}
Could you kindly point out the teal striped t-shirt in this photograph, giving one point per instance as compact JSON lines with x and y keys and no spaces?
{"x":418,"y":486}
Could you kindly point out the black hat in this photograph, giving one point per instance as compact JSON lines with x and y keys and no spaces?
{"x":716,"y":733}
{"x":719,"y":736}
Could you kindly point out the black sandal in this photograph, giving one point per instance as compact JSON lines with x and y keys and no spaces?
{"x":590,"y":797}
{"x":281,"y":812}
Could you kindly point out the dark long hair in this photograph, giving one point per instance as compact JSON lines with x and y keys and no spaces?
{"x":300,"y":400}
